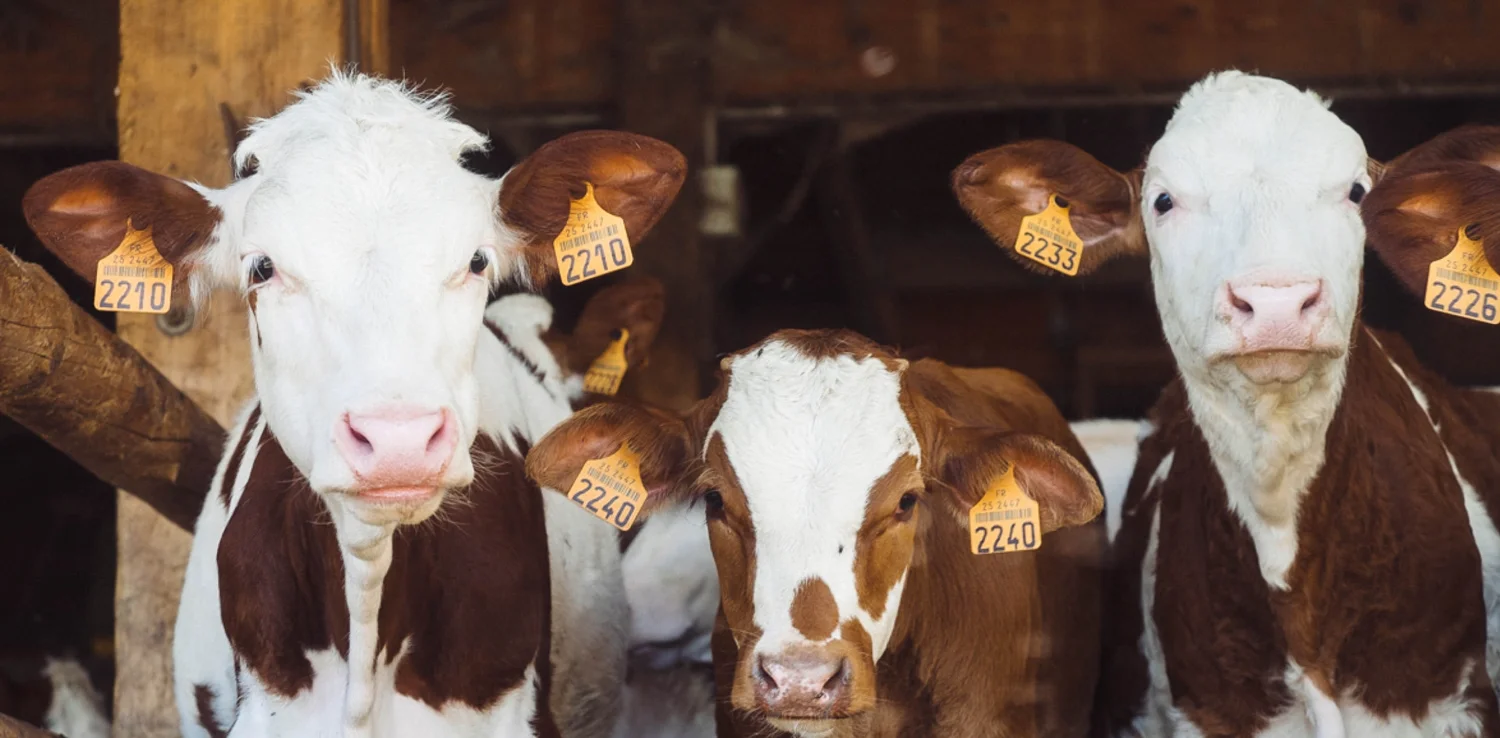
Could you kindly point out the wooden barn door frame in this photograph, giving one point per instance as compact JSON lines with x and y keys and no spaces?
{"x":182,"y":66}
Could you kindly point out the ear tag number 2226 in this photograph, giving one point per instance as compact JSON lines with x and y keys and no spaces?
{"x":134,"y":278}
{"x":593,"y":243}
{"x":1005,"y":519}
{"x":1048,"y":238}
{"x":1464,"y":283}
{"x":611,"y":488}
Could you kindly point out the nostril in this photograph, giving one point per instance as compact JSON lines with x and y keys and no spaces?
{"x":1240,"y":305}
{"x":440,"y":436}
{"x":361,"y":443}
{"x":838,"y":679}
{"x":1313,"y":298}
{"x":763,"y":677}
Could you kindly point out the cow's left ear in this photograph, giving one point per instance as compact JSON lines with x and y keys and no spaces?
{"x":1413,"y":216}
{"x":970,"y":459}
{"x":634,"y":177}
{"x":658,"y":438}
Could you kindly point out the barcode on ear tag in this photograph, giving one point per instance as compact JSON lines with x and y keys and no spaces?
{"x":134,"y":278}
{"x":1464,"y":283}
{"x":608,"y":371}
{"x":1048,"y":238}
{"x":593,"y":243}
{"x":611,"y":488}
{"x":1005,"y":520}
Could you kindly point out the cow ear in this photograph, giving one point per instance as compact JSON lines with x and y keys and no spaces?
{"x":970,"y":459}
{"x":1414,"y":214}
{"x":81,"y":214}
{"x":658,"y":438}
{"x":634,"y":177}
{"x":636,"y":305}
{"x":1475,"y":144}
{"x":1001,"y":186}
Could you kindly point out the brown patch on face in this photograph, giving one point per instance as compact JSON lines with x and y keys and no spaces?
{"x":883,"y":550}
{"x":814,"y":613}
{"x":232,"y":469}
{"x":732,"y":538}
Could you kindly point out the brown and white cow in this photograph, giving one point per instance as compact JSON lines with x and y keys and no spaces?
{"x":371,"y":560}
{"x":1299,"y":554}
{"x":837,"y":480}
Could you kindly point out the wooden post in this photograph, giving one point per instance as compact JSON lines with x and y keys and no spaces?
{"x":178,"y":63}
{"x":663,"y":91}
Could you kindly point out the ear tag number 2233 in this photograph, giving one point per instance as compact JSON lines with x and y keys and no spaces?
{"x":134,"y":278}
{"x":1464,"y":283}
{"x":1048,"y":238}
{"x":593,"y":243}
{"x":1005,"y":519}
{"x":611,"y":488}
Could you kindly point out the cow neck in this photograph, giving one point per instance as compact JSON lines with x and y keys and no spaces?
{"x":1268,"y":443}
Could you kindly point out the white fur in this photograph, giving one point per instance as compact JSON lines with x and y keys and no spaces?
{"x":672,"y":587}
{"x":1113,"y":446}
{"x":1159,"y":715}
{"x":808,"y":439}
{"x":77,"y":710}
{"x":371,"y":221}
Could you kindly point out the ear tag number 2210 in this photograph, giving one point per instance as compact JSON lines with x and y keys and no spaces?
{"x":1464,"y":283}
{"x":1005,"y":519}
{"x":593,"y":243}
{"x":134,"y":278}
{"x":611,"y":488}
{"x":1048,"y":238}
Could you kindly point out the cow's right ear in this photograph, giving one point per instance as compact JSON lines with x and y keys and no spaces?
{"x":1001,"y":186}
{"x":658,"y":438}
{"x":81,"y":214}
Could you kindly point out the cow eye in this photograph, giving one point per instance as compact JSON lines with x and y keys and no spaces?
{"x":713,"y":501}
{"x":479,"y":262}
{"x":1356,"y":193}
{"x":261,"y":269}
{"x":908,"y":501}
{"x":1163,"y":203}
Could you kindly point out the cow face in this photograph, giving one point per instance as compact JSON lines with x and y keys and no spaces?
{"x":365,"y":252}
{"x":815,"y":461}
{"x":1248,"y":207}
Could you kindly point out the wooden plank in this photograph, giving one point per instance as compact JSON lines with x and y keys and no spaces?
{"x":179,"y":62}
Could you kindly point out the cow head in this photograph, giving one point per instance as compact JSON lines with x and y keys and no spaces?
{"x":1248,"y":207}
{"x":816,"y":460}
{"x":365,"y":252}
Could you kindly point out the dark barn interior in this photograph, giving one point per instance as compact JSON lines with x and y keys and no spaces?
{"x":837,"y":125}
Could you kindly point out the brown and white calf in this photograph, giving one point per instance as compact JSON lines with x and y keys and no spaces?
{"x":1299,"y":554}
{"x":837,"y":480}
{"x":371,"y":560}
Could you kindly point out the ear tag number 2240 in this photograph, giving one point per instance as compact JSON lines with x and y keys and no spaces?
{"x":1005,"y":520}
{"x":1048,"y":238}
{"x":1464,"y":283}
{"x":610,"y":488}
{"x":593,"y":243}
{"x":134,"y":278}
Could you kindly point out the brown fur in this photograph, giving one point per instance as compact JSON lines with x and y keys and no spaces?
{"x":814,"y":613}
{"x":1412,"y":218}
{"x":232,"y":469}
{"x":281,"y":586}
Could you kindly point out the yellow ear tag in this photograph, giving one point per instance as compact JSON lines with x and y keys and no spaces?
{"x":1463,"y":283}
{"x":593,"y":243}
{"x":611,"y":488}
{"x":1005,"y":519}
{"x":1048,"y":238}
{"x":134,"y":278}
{"x":607,"y":371}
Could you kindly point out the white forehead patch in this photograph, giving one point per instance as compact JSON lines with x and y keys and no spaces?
{"x":807,"y":439}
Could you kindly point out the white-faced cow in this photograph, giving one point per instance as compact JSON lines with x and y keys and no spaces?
{"x":1296,"y":549}
{"x":837,"y":480}
{"x":371,"y":560}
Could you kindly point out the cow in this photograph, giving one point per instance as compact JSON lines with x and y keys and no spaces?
{"x":371,"y":560}
{"x":837,"y":480}
{"x":1298,"y":553}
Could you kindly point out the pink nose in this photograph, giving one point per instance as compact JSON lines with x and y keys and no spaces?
{"x":1275,"y":316}
{"x":802,"y":683}
{"x":397,"y":447}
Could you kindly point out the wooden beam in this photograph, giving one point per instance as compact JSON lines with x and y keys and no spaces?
{"x":82,"y":389}
{"x":13,"y":728}
{"x":179,"y":62}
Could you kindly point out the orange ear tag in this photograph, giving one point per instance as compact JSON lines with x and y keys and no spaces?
{"x":607,"y":371}
{"x":593,"y":243}
{"x":611,"y":488}
{"x":1005,"y":519}
{"x":134,"y":278}
{"x":1463,"y":283}
{"x":1048,"y":238}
